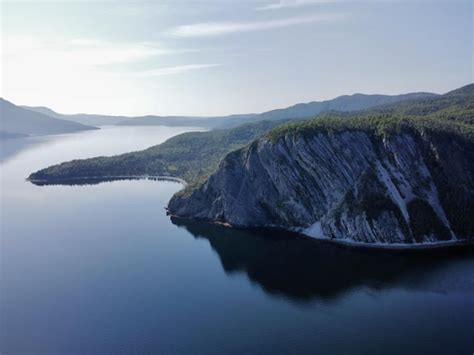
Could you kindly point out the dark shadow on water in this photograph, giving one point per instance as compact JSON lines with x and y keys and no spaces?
{"x":302,"y":270}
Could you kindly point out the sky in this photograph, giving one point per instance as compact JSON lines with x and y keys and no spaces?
{"x":225,"y":57}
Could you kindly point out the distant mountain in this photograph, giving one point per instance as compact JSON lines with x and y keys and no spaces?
{"x":83,"y":118}
{"x":210,"y":122}
{"x":44,"y":110}
{"x":466,"y":91}
{"x":445,"y":106}
{"x":344,"y":103}
{"x":16,"y":120}
{"x":5,"y":135}
{"x":149,"y":120}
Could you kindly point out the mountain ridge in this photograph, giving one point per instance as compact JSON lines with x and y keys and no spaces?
{"x":343,"y":103}
{"x":15,"y":120}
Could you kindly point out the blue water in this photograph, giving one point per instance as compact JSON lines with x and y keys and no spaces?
{"x":101,"y":269}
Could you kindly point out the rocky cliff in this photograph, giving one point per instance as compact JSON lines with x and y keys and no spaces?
{"x":402,"y":186}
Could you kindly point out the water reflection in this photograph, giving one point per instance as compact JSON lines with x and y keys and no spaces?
{"x":302,"y":269}
{"x":99,"y":180}
{"x":11,"y":147}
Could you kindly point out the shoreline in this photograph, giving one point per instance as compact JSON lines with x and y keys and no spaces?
{"x":441,"y":245}
{"x":403,"y":248}
{"x":109,"y":178}
{"x":429,"y":246}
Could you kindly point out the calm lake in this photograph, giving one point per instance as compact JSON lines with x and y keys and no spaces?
{"x":101,"y":269}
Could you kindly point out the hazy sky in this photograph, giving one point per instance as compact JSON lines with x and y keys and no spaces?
{"x":221,"y":57}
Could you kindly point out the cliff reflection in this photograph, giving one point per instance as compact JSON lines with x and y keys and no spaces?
{"x":302,"y":270}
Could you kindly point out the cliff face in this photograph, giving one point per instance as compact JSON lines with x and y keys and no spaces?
{"x":351,"y":185}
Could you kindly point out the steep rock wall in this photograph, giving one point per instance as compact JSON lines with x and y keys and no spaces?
{"x":353,"y":186}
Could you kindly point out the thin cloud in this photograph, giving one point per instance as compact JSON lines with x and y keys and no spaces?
{"x":282,"y":4}
{"x":77,"y":52}
{"x":171,"y":70}
{"x":222,"y":28}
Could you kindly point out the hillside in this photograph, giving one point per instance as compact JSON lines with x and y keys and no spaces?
{"x":344,"y":103}
{"x":17,"y":120}
{"x":191,"y":156}
{"x":454,"y":105}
